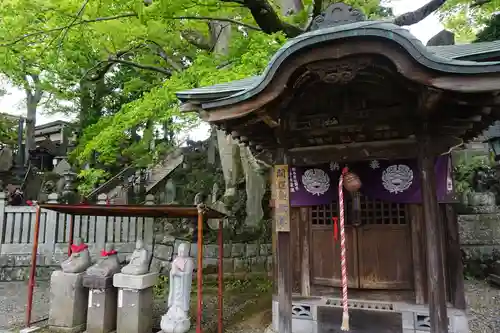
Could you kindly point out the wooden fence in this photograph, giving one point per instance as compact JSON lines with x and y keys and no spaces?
{"x":17,"y":229}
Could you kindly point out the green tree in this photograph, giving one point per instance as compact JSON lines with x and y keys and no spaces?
{"x":491,"y":31}
{"x":120,"y":63}
{"x":8,"y":130}
{"x":467,"y":17}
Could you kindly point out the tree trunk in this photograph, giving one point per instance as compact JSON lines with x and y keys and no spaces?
{"x":33,"y":96}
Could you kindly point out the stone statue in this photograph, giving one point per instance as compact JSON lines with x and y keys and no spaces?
{"x":176,"y":319}
{"x":480,"y":181}
{"x":6,"y":158}
{"x":107,"y":265}
{"x":139,"y":261}
{"x":79,"y":260}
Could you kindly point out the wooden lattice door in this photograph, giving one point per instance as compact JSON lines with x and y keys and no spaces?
{"x":384,"y":246}
{"x":325,"y":252}
{"x":378,"y":249}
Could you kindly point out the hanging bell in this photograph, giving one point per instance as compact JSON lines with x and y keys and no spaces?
{"x":352,"y":183}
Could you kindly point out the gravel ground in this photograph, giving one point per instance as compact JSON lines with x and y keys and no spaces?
{"x":13,"y":296}
{"x":233,"y":305}
{"x":484,"y":307}
{"x":483,"y":301}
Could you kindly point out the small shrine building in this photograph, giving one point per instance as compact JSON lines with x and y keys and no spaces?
{"x":370,"y":96}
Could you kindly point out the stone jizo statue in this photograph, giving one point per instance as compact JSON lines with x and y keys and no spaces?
{"x":107,"y":265}
{"x":176,"y":320}
{"x":139,"y":261}
{"x":79,"y":260}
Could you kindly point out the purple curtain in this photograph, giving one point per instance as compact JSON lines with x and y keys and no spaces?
{"x":385,"y":180}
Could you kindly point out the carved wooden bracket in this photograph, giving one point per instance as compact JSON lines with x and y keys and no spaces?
{"x":333,"y":71}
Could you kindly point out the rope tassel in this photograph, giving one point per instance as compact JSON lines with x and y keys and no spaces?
{"x":343,"y":259}
{"x":335,"y":228}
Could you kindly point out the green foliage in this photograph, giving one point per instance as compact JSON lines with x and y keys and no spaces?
{"x":466,"y":19}
{"x":91,"y":178}
{"x":463,"y":173}
{"x":8,"y":131}
{"x":491,"y":32}
{"x":161,"y":287}
{"x":119,"y":64}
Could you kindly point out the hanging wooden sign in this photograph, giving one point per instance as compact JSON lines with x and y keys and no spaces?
{"x":282,"y":198}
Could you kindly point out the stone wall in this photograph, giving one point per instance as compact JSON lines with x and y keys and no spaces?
{"x":238,"y":257}
{"x":480,"y":235}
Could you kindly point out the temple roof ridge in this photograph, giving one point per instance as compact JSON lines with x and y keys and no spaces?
{"x":435,"y":58}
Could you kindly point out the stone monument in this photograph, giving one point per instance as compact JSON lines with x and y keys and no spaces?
{"x":135,"y":293}
{"x":482,"y":199}
{"x":101,"y":315}
{"x":68,"y":296}
{"x":177,"y":320}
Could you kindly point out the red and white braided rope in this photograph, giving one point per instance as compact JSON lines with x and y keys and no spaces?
{"x":343,"y":258}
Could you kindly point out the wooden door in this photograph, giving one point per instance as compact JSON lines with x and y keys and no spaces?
{"x":384,"y":246}
{"x":325,"y":251}
{"x":378,"y":250}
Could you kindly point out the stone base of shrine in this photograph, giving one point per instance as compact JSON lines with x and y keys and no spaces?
{"x":323,"y":314}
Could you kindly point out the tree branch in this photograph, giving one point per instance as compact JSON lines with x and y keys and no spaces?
{"x":136,"y":65}
{"x":197,"y":39}
{"x":418,"y":15}
{"x":109,"y":18}
{"x":162,"y":54}
{"x":44,"y":32}
{"x":78,"y":15}
{"x":317,"y":7}
{"x":221,"y":19}
{"x":267,"y":18}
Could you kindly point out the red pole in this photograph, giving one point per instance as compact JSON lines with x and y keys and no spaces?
{"x":199,"y":273}
{"x":71,"y":232}
{"x":221,"y":275}
{"x":31,"y":282}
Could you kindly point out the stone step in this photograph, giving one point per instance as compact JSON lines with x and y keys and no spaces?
{"x":163,"y":169}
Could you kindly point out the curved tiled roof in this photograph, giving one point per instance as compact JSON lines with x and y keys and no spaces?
{"x":438,"y":58}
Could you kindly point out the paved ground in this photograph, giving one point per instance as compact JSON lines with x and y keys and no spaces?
{"x":13,"y":300}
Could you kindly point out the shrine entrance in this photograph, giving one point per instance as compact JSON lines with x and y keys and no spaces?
{"x":382,"y":232}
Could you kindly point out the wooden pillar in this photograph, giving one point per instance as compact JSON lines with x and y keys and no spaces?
{"x":434,"y":239}
{"x":283,"y":240}
{"x":305,"y":280}
{"x":455,"y":265}
{"x":418,"y":246}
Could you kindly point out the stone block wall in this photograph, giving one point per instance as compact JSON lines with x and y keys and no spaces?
{"x":238,"y":257}
{"x":480,"y":235}
{"x":15,"y":260}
